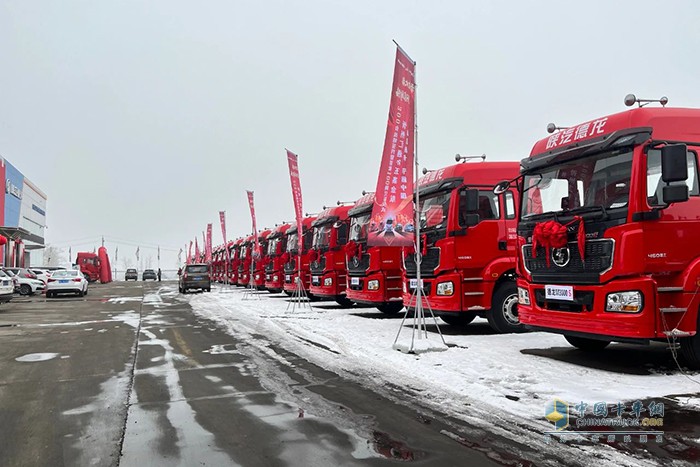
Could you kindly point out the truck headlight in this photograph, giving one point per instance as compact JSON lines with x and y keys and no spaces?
{"x":275,"y":278}
{"x":328,"y":281}
{"x":373,"y":285}
{"x":445,"y":288}
{"x":624,"y":302}
{"x":523,"y":296}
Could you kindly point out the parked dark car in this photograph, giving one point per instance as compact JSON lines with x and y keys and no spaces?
{"x":149,"y":274}
{"x":131,"y":274}
{"x":195,"y":276}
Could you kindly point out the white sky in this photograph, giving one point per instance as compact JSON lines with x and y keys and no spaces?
{"x":141,"y":120}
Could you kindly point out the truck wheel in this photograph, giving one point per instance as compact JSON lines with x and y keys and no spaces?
{"x":25,"y":289}
{"x":390,"y":308}
{"x":344,"y":301}
{"x":588,"y":345}
{"x":690,"y":349}
{"x":80,"y":293}
{"x":458,"y":319}
{"x":503,"y":316}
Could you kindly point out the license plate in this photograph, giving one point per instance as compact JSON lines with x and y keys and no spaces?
{"x":413,"y":283}
{"x":5,"y":282}
{"x":354,"y":281}
{"x":198,"y":278}
{"x":559,"y":292}
{"x":288,"y":278}
{"x":63,"y":281}
{"x":316,"y":280}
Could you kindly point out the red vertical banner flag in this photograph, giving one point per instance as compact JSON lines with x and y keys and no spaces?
{"x":209,"y":246}
{"x":189,"y":253}
{"x":222,"y":219}
{"x":196,"y":250}
{"x":292,"y":160}
{"x":251,"y":203}
{"x":393,"y":198}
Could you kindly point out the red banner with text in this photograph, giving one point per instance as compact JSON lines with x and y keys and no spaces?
{"x":189,"y":253}
{"x":293,"y":161}
{"x":392,"y":222}
{"x":209,"y":245}
{"x":222,"y":219}
{"x":251,"y":203}
{"x":196,"y":251}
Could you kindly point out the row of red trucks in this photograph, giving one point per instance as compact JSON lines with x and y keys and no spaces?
{"x":593,"y":236}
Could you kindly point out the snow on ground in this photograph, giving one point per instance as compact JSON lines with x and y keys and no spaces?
{"x":483,"y":378}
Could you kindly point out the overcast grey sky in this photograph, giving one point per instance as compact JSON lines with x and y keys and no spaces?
{"x":141,"y":120}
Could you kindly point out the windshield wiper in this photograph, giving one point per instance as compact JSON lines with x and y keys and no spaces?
{"x":582,"y":209}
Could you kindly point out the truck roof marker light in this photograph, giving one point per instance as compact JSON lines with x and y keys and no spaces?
{"x":631,"y":99}
{"x":346,"y":203}
{"x":461,"y":158}
{"x":426,"y":170}
{"x":366,"y":192}
{"x":551,"y":128}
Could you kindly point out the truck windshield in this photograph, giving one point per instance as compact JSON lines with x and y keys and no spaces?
{"x":322,"y":236}
{"x":358,"y":227}
{"x":601,"y":181}
{"x":293,"y":242}
{"x":272,"y":246}
{"x":433,"y":210}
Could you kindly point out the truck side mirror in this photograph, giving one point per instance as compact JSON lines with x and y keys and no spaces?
{"x":501,"y":187}
{"x":675,"y":193}
{"x":469,"y":201}
{"x":674,"y":163}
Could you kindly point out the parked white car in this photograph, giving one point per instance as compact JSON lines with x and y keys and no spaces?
{"x":67,"y":281}
{"x":27,"y":285}
{"x":7,"y":287}
{"x":42,"y":274}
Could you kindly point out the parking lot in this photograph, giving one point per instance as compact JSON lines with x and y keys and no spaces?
{"x":128,"y":375}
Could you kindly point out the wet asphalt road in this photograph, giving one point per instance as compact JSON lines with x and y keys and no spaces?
{"x":129,"y":376}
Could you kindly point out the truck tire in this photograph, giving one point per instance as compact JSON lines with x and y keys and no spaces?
{"x":503,"y":316}
{"x":25,"y":289}
{"x":80,"y":293}
{"x":458,"y":319}
{"x":586,"y":344}
{"x":390,"y":308}
{"x":344,"y":301}
{"x":690,"y":349}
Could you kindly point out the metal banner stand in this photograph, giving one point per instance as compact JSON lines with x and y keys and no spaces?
{"x":419,"y":326}
{"x":299,"y":298}
{"x":251,"y":291}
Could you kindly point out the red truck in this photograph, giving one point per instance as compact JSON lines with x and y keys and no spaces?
{"x":216,"y":264}
{"x":260,"y":259}
{"x":245,"y":256}
{"x":235,"y":253}
{"x":276,"y":251}
{"x":327,"y":256}
{"x":291,"y":269}
{"x":89,"y":264}
{"x":468,"y":243}
{"x":608,"y":231}
{"x":375,"y":274}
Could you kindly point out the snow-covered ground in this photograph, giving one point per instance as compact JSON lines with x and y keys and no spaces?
{"x":499,"y":382}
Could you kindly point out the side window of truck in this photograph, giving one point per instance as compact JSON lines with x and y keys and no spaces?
{"x":654,"y":183}
{"x":509,"y":203}
{"x":488,"y":205}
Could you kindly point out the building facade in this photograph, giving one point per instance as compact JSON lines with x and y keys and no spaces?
{"x":22,"y":216}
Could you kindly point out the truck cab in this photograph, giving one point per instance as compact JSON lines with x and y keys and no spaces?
{"x":245,"y":260}
{"x":291,"y":267}
{"x":468,"y":245}
{"x":375,"y":274}
{"x":327,"y":256}
{"x":260,"y":259}
{"x":89,"y":264}
{"x":621,"y":191}
{"x":235,"y":254}
{"x":276,"y":251}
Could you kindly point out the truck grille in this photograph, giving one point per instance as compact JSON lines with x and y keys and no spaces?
{"x":317,"y":267}
{"x":358,"y":266}
{"x":598,"y":259}
{"x":431,"y":260}
{"x":270,"y":267}
{"x":290,"y":267}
